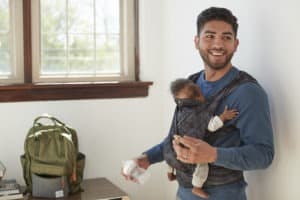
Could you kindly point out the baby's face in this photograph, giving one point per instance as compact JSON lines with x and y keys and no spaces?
{"x":182,"y":95}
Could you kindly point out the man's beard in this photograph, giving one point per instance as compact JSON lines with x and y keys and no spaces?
{"x":215,"y":66}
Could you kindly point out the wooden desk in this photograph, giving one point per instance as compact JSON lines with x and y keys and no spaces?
{"x":94,"y":189}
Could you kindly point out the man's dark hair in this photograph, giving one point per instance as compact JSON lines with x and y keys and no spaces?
{"x":181,"y":83}
{"x":215,"y":13}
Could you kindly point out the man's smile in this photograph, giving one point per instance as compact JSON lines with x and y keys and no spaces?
{"x":216,"y":53}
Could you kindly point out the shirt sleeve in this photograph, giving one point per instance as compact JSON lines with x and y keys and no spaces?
{"x":214,"y":124}
{"x":155,"y":153}
{"x":256,"y":150}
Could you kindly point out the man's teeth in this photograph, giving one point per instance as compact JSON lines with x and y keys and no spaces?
{"x":217,"y":53}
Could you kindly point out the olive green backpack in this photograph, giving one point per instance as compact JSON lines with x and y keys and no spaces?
{"x":51,"y":150}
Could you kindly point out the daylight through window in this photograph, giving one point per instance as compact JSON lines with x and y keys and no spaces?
{"x":11,"y":41}
{"x":75,"y":40}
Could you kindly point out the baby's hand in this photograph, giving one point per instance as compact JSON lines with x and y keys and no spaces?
{"x":228,"y":114}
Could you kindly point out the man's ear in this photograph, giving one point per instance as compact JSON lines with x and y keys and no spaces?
{"x":196,"y":41}
{"x":236,"y":44}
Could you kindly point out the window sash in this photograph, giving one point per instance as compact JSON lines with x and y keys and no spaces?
{"x":127,"y":45}
{"x":15,"y":41}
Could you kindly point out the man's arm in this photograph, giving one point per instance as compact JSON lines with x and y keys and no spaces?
{"x":155,"y":154}
{"x":254,"y":123}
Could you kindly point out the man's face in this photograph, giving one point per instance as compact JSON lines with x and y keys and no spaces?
{"x":216,"y":44}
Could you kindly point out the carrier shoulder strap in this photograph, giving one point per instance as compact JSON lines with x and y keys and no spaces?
{"x":241,"y":78}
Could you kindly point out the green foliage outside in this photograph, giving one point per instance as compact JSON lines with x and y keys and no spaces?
{"x":4,"y":38}
{"x":68,"y":41}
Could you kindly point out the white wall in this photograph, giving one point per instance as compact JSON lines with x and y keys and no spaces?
{"x":109,"y":131}
{"x":114,"y":130}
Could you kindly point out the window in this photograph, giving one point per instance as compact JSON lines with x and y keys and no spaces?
{"x":73,"y":49}
{"x":11,"y":42}
{"x":79,"y":40}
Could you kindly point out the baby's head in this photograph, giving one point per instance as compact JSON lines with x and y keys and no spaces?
{"x":186,"y":89}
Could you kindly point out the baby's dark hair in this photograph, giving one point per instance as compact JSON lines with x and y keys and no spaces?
{"x":179,"y":84}
{"x":216,"y":13}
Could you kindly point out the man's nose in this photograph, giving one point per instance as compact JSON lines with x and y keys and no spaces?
{"x":218,"y":43}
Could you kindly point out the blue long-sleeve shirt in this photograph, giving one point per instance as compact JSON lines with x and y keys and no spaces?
{"x":253,"y":124}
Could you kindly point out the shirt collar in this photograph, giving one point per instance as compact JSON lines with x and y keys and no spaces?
{"x":210,"y":88}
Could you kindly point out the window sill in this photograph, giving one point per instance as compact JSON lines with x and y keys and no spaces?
{"x":67,"y":91}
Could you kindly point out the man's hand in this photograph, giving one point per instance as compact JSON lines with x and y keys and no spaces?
{"x":141,"y":161}
{"x":192,"y":150}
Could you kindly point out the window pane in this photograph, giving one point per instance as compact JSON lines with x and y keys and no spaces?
{"x":53,"y":34}
{"x":89,"y":45}
{"x":108,"y":16}
{"x":108,"y":54}
{"x":53,"y":66}
{"x":4,"y":16}
{"x":5,"y":65}
{"x":81,"y":54}
{"x":81,"y":16}
{"x":53,"y":54}
{"x":53,"y":14}
{"x":84,"y":40}
{"x":4,"y":56}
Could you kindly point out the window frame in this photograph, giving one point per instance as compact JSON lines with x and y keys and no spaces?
{"x":29,"y":91}
{"x":16,"y":46}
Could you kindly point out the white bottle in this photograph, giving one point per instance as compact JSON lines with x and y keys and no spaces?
{"x":131,"y":168}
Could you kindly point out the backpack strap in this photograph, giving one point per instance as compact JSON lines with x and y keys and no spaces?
{"x":54,"y":120}
{"x":56,"y":123}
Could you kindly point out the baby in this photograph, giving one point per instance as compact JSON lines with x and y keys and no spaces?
{"x":187,"y":94}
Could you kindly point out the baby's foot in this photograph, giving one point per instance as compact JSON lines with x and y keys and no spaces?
{"x":200,"y":192}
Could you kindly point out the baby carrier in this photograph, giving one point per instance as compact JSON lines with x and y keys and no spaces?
{"x":191,"y":118}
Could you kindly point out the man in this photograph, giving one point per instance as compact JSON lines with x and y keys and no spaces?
{"x":252,"y":134}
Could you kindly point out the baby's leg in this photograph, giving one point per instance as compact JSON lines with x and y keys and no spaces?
{"x":199,"y":177}
{"x":171,"y":173}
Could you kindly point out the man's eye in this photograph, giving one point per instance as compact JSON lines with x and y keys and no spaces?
{"x":227,"y":38}
{"x":209,"y":36}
